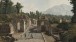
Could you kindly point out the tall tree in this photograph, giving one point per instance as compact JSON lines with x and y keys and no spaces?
{"x":73,"y":29}
{"x":1,"y":7}
{"x":71,"y":34}
{"x":32,"y":14}
{"x":18,"y":7}
{"x":38,"y":14}
{"x":6,"y":6}
{"x":74,"y":11}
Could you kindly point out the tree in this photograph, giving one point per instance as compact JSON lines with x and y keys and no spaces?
{"x":5,"y":6}
{"x":18,"y":7}
{"x":7,"y":9}
{"x":73,"y":29}
{"x":71,"y":34}
{"x":32,"y":15}
{"x":74,"y":11}
{"x":1,"y":7}
{"x":38,"y":14}
{"x":64,"y":26}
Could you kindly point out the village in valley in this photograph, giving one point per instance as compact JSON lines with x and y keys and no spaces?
{"x":18,"y":26}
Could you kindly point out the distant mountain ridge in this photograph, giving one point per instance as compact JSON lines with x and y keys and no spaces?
{"x":62,"y":9}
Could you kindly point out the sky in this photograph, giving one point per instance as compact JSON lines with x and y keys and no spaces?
{"x":40,"y":5}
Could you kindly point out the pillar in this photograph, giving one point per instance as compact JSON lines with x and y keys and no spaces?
{"x":18,"y":26}
{"x":24,"y":25}
{"x":11,"y":28}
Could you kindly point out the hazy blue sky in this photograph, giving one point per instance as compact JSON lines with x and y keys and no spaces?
{"x":41,"y":5}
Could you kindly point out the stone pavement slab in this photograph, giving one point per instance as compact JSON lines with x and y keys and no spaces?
{"x":30,"y":40}
{"x":28,"y":35}
{"x":37,"y":35}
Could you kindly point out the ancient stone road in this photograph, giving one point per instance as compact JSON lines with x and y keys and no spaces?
{"x":34,"y":37}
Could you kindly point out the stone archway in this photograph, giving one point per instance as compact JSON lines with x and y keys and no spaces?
{"x":19,"y":24}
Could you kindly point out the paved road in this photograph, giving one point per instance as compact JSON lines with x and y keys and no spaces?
{"x":48,"y":38}
{"x":33,"y":37}
{"x":36,"y":37}
{"x":30,"y":40}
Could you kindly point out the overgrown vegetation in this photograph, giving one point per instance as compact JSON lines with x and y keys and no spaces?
{"x":7,"y":7}
{"x":7,"y":10}
{"x":70,"y":36}
{"x":73,"y":2}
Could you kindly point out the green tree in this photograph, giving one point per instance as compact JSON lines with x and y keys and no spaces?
{"x":18,"y":7}
{"x":74,"y":11}
{"x":5,"y":6}
{"x":7,"y":9}
{"x":71,"y":34}
{"x":73,"y":29}
{"x":32,"y":15}
{"x":38,"y":14}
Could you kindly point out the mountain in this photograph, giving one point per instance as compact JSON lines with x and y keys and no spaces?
{"x":62,"y":9}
